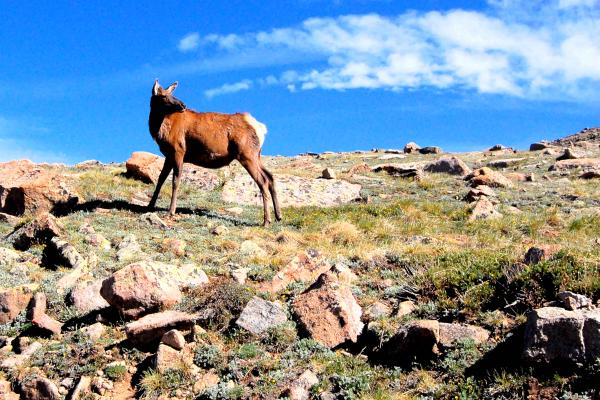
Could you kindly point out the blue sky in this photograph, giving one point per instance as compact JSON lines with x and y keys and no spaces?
{"x":323,"y":75}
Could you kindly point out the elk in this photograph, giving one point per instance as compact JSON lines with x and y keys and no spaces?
{"x":209,"y":140}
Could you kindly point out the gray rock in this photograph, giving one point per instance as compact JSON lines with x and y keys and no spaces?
{"x":147,"y":331}
{"x":377,"y":310}
{"x":562,"y":338}
{"x":173,"y":338}
{"x":451,"y":334}
{"x":128,"y":249}
{"x":574,"y":301}
{"x":411,"y":147}
{"x":430,"y":150}
{"x":299,"y":389}
{"x":259,"y":315}
{"x":448,"y":165}
{"x":154,"y":220}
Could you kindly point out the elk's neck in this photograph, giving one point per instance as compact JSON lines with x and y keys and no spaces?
{"x":155,"y":121}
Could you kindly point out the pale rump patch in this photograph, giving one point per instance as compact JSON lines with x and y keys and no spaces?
{"x":259,"y":128}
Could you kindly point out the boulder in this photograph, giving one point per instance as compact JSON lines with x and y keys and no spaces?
{"x":556,"y":337}
{"x":328,"y":312}
{"x":487,"y":177}
{"x":39,"y":388}
{"x":60,"y":253}
{"x":305,"y":267}
{"x":480,"y":191}
{"x":260,"y":315}
{"x":27,"y":188}
{"x":38,"y":231}
{"x":449,"y":165}
{"x":580,"y":163}
{"x":86,"y":297}
{"x":569,"y":154}
{"x":36,"y":313}
{"x":505,"y":163}
{"x":415,"y":341}
{"x":146,"y":167}
{"x":411,"y":147}
{"x":540,"y":253}
{"x":430,"y":150}
{"x":407,"y":170}
{"x":147,"y":331}
{"x":483,"y":208}
{"x":293,"y":191}
{"x":539,"y":146}
{"x":328,"y":173}
{"x":299,"y":389}
{"x":592,"y":174}
{"x":498,"y":147}
{"x":451,"y":334}
{"x":361,"y":168}
{"x":12,"y":302}
{"x":20,"y":359}
{"x":142,"y":288}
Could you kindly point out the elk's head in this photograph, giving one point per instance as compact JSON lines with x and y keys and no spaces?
{"x":163,"y":100}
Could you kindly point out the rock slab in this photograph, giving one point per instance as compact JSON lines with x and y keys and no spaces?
{"x":259,"y":315}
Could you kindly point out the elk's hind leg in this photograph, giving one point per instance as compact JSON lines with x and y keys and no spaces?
{"x":166,"y":169}
{"x":255,"y":170}
{"x":271,"y":183}
{"x":177,"y":171}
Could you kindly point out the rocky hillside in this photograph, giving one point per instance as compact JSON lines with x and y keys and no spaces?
{"x":394,"y":274}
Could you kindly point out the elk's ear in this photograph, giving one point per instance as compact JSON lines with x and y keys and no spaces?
{"x":171,"y":88}
{"x":155,"y":88}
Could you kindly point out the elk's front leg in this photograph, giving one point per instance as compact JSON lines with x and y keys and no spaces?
{"x":166,"y":169}
{"x":177,"y":171}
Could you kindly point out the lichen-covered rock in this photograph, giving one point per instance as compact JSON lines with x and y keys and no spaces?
{"x":488,"y":177}
{"x":260,"y":315}
{"x":575,"y":301}
{"x":142,"y":288}
{"x":293,"y":191}
{"x":329,"y":312}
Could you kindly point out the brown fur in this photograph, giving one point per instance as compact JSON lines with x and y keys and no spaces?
{"x":210,"y":140}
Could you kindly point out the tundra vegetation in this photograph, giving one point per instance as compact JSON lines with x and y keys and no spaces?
{"x":443,"y":295}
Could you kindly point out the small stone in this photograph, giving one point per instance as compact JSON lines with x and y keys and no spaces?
{"x":300,"y":387}
{"x":249,"y":248}
{"x":94,"y":331}
{"x":219,"y":230}
{"x":175,"y":246}
{"x":540,"y":253}
{"x":405,"y":308}
{"x":240,"y":275}
{"x":328,"y":173}
{"x":154,"y":220}
{"x":377,"y":310}
{"x":235,"y":210}
{"x":451,"y":334}
{"x":174,"y":338}
{"x":83,"y":387}
{"x":260,"y":315}
{"x":484,"y":209}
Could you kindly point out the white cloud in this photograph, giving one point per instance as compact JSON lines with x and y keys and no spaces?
{"x":530,"y":49}
{"x":189,"y":42}
{"x":228,"y":88}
